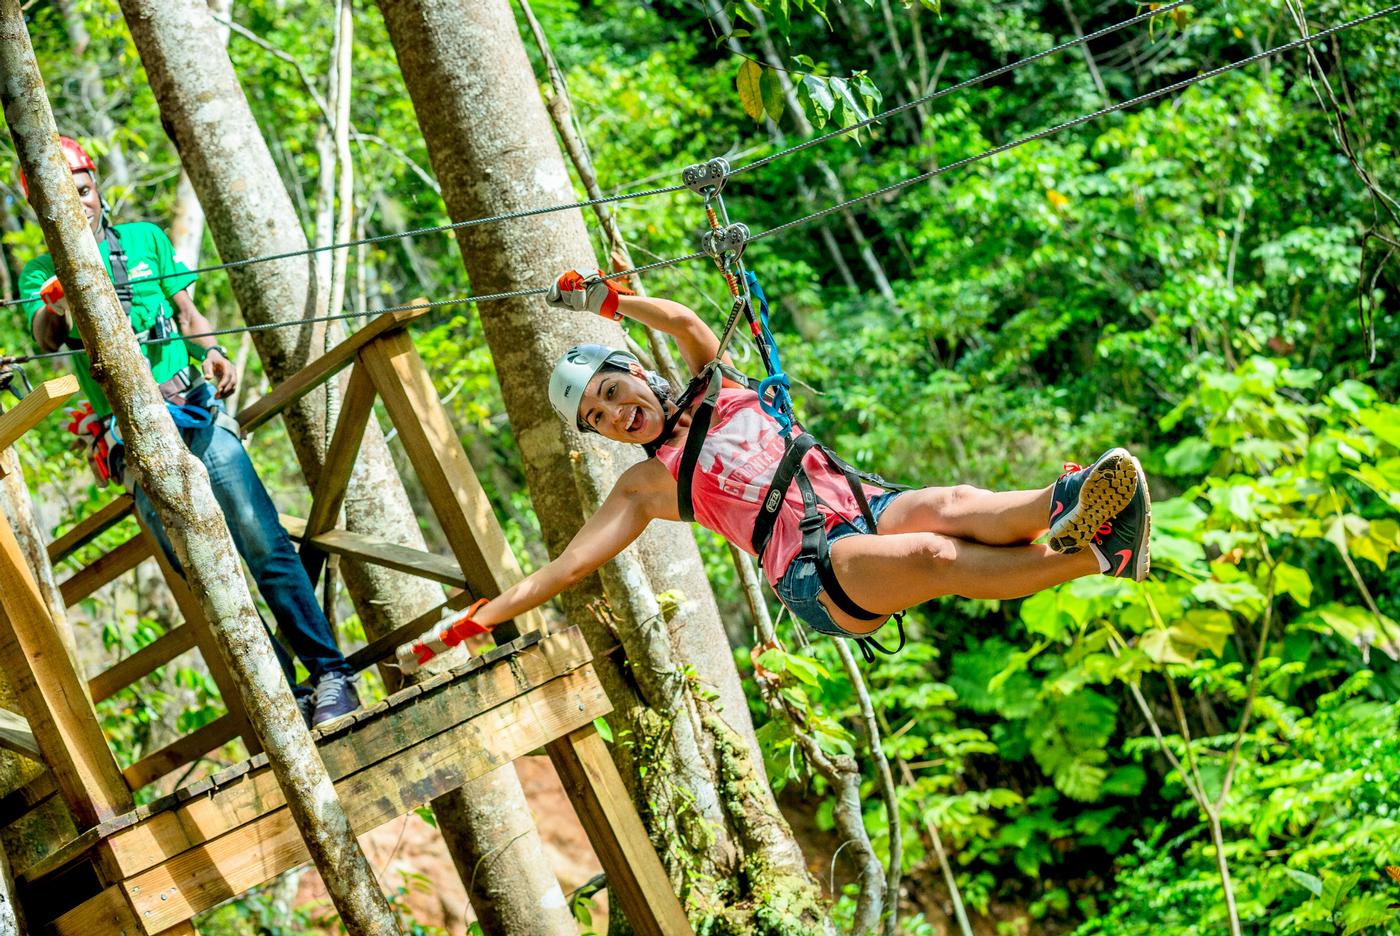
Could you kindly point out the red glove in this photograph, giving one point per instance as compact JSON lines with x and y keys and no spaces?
{"x":412,"y":656}
{"x":52,"y":295}
{"x":587,"y":292}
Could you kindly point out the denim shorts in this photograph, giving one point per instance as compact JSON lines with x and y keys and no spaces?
{"x":800,"y":586}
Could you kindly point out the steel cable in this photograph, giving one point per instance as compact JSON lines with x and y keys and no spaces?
{"x":1059,"y":128}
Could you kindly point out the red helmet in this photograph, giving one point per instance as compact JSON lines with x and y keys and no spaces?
{"x":77,"y":157}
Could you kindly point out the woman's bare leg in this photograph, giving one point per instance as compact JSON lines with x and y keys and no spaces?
{"x":891,"y":572}
{"x":994,"y":518}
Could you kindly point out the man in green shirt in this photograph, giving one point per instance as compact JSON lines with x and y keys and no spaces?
{"x":153,"y":287}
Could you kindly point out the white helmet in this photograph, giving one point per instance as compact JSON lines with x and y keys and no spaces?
{"x":573,"y":372}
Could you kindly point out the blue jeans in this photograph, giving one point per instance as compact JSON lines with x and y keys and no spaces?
{"x":264,"y":545}
{"x":800,"y":587}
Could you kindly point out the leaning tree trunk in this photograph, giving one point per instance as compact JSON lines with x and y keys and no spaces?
{"x":178,"y":486}
{"x":250,"y":213}
{"x":493,"y":151}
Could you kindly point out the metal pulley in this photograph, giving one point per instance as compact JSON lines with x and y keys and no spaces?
{"x":725,"y":244}
{"x":706,"y":178}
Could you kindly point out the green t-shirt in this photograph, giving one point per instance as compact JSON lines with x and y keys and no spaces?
{"x":148,"y":254}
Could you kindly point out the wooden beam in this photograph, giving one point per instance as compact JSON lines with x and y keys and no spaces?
{"x":35,"y":407}
{"x":107,"y":913}
{"x":21,"y":802}
{"x":90,"y":528}
{"x":356,"y":408}
{"x":323,"y":368}
{"x":636,"y":877}
{"x":201,"y":819}
{"x":107,"y":567}
{"x":51,"y":695}
{"x":446,"y":474}
{"x":142,"y":663}
{"x":378,"y":552}
{"x":17,"y":736}
{"x":202,"y":877}
{"x":182,"y":751}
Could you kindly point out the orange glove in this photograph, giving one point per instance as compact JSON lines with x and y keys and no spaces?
{"x":412,"y":656}
{"x":587,"y":292}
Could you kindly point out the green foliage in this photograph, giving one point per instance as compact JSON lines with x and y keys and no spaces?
{"x":1180,"y":279}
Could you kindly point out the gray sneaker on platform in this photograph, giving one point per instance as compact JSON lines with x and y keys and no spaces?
{"x":335,"y":696}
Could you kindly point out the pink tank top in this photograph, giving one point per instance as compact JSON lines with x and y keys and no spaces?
{"x":736,"y":466}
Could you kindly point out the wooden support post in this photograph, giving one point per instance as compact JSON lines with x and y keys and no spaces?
{"x":635,"y":874}
{"x":205,"y":641}
{"x":355,"y":411}
{"x":443,"y":469}
{"x":52,"y":697}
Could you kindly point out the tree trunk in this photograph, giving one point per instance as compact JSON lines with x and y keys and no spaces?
{"x":178,"y":486}
{"x":187,"y":219}
{"x":492,"y":150}
{"x":250,"y":213}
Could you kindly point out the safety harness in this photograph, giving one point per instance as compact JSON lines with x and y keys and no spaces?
{"x":773,"y":397}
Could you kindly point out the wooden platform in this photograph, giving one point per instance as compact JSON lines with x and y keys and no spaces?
{"x":148,"y":870}
{"x":216,"y":838}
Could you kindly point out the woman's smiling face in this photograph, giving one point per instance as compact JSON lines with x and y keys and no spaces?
{"x":620,"y":405}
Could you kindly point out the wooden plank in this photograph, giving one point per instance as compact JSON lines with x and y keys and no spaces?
{"x":378,"y":552}
{"x":194,"y":617}
{"x":356,"y":408}
{"x":17,"y":736}
{"x":52,"y":696}
{"x":107,"y":914}
{"x":446,"y":474}
{"x":35,"y":407}
{"x":383,"y":646}
{"x":323,"y":368}
{"x":90,"y":528}
{"x":182,"y":751}
{"x":201,"y":877}
{"x":142,"y":663}
{"x":90,"y":578}
{"x":636,"y":877}
{"x":20,"y":802}
{"x":199,"y":820}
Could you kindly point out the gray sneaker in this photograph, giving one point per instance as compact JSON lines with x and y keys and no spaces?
{"x":1086,"y":499}
{"x":335,"y":696}
{"x":306,"y":704}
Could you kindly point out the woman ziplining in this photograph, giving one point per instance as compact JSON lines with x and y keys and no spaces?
{"x":843,"y":552}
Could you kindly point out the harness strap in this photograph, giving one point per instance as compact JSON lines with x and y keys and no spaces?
{"x":816,"y":546}
{"x":121,"y":279}
{"x":694,"y":442}
{"x":791,"y":463}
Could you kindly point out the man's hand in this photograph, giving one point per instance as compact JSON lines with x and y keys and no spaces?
{"x":220,"y":372}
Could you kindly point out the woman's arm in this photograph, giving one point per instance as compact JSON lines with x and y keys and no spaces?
{"x":697,"y":343}
{"x":625,"y":513}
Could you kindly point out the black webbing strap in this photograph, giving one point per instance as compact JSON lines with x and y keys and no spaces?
{"x":788,"y":467}
{"x":815,"y":545}
{"x":694,"y":442}
{"x":121,"y":279}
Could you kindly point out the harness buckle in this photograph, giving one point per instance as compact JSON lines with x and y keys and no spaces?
{"x":706,"y":178}
{"x":726,"y":244}
{"x":812,"y":522}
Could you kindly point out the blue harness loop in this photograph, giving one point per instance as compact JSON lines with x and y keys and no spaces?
{"x":780,"y":407}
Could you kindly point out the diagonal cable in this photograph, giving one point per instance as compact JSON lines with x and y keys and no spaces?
{"x":952,"y":89}
{"x":1059,"y":128}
